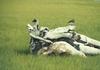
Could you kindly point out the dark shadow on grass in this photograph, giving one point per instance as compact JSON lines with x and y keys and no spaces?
{"x":92,"y":55}
{"x":23,"y":51}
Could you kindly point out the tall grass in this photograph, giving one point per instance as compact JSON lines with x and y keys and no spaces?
{"x":14,"y":38}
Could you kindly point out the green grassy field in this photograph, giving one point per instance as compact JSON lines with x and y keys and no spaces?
{"x":14,"y":38}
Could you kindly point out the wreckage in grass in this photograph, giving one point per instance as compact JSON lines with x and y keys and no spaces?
{"x":41,"y":37}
